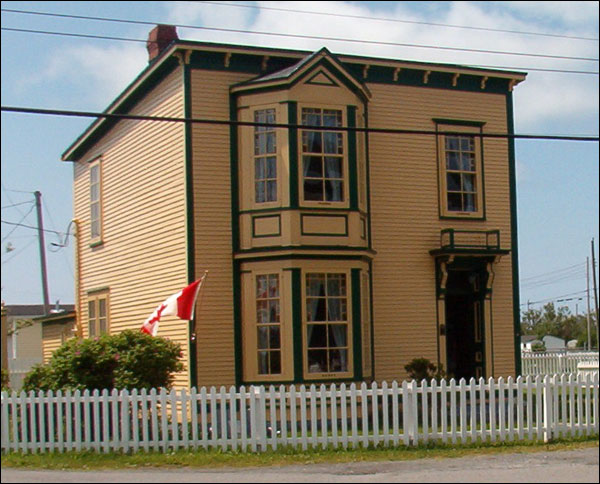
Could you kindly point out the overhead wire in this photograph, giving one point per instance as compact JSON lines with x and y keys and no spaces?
{"x":395,"y":20}
{"x":124,"y":39}
{"x":228,"y":122}
{"x":279,"y":34}
{"x":18,"y":224}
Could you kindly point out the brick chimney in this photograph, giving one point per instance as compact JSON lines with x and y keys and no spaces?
{"x":159,"y":38}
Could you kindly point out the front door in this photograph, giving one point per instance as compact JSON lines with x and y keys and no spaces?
{"x":464,"y":324}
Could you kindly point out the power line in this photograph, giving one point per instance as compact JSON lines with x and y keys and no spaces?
{"x":19,"y":224}
{"x":529,"y":303}
{"x":364,"y":17}
{"x":19,"y":251}
{"x":581,"y":264}
{"x":124,"y":39}
{"x":15,"y":205}
{"x":302,"y":36}
{"x":224,"y":122}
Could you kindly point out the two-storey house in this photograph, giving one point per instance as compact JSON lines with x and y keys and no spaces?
{"x":353,"y":213}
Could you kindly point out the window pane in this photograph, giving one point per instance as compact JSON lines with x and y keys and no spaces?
{"x":270,"y":142}
{"x":315,"y":284}
{"x":336,"y":284}
{"x":311,"y":117}
{"x":452,"y":143}
{"x":260,"y":169}
{"x":312,"y":142}
{"x":274,"y":338}
{"x":94,"y":191}
{"x":263,"y":337}
{"x":455,"y":202}
{"x":263,"y":363}
{"x":274,"y":285}
{"x":338,"y":360}
{"x":337,"y":309}
{"x":452,"y":160}
{"x":274,"y":311}
{"x":271,"y":167}
{"x":468,"y":183}
{"x":262,"y":312}
{"x":332,"y":117}
{"x":275,"y":362}
{"x":271,"y":191}
{"x":95,"y":228}
{"x":313,"y":190}
{"x":334,"y":191}
{"x":94,"y":174}
{"x":338,"y":335}
{"x":313,"y":166}
{"x":317,"y":361}
{"x":317,"y":336}
{"x":469,"y":202}
{"x":95,"y":211}
{"x":102,"y":325}
{"x":467,"y":144}
{"x":316,"y":309}
{"x":333,"y":143}
{"x":453,"y":181}
{"x":260,"y":190}
{"x":333,"y":167}
{"x":261,"y":286}
{"x":468,"y":161}
{"x":101,"y":308}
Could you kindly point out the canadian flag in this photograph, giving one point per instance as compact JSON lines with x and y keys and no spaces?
{"x":181,"y":304}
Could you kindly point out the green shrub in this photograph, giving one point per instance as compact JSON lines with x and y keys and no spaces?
{"x":127,"y":360}
{"x":5,"y":380}
{"x":538,"y":347}
{"x":423,"y":369}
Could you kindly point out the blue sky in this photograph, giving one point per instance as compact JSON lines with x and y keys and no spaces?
{"x":557,"y":180}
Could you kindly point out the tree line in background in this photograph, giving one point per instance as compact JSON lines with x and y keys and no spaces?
{"x":559,"y":322}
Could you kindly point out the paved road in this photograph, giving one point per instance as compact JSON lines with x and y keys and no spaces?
{"x":558,"y":466}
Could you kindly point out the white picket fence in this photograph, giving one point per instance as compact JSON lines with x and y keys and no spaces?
{"x":257,"y":418}
{"x":533,"y":364}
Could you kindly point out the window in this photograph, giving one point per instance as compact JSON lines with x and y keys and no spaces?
{"x":95,"y":202}
{"x":461,"y":172}
{"x":323,"y":156}
{"x":268,"y":324}
{"x":97,"y":315}
{"x":327,"y":325}
{"x":461,"y":185}
{"x":265,"y":158}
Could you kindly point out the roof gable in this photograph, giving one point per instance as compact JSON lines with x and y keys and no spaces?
{"x":320,"y":68}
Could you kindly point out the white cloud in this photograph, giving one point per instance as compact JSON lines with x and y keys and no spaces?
{"x":99,"y":73}
{"x":543,"y":96}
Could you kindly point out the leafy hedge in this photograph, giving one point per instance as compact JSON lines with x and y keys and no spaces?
{"x":127,"y":360}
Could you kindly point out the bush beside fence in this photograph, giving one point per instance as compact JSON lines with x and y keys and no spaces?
{"x":256,"y":419}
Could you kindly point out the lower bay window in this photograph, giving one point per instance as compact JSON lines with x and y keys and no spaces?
{"x":303,"y":324}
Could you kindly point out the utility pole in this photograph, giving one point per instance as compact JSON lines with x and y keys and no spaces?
{"x":595,"y":288}
{"x":587,"y":275}
{"x":42,"y":244}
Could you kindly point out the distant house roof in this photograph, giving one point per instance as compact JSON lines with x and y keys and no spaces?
{"x":31,"y":310}
{"x":528,"y":338}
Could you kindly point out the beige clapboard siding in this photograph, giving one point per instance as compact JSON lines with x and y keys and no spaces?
{"x":406,"y":223}
{"x":212,"y":227}
{"x":53,"y":336}
{"x":143,"y":258}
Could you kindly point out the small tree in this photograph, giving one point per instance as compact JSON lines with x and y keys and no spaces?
{"x":423,"y":369}
{"x":127,"y":360}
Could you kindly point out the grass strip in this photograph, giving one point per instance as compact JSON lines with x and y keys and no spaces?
{"x":214,"y":459}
